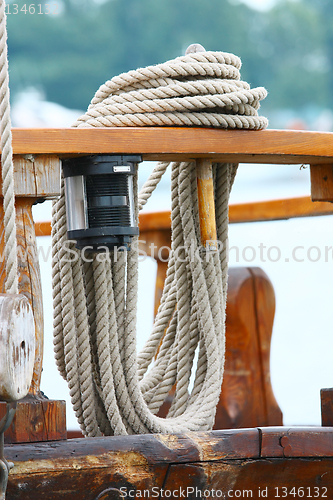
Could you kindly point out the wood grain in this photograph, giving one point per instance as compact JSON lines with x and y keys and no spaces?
{"x":256,"y":479}
{"x":172,"y":143}
{"x":17,"y":346}
{"x":321,"y":182}
{"x":36,"y":419}
{"x":29,"y":275}
{"x":296,"y":442}
{"x":221,"y":460}
{"x":206,"y":204}
{"x":247,"y":398}
{"x":37,"y":176}
{"x":264,"y":299}
{"x":29,"y":279}
{"x":283,"y":209}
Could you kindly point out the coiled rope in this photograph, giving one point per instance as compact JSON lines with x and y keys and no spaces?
{"x":114,"y":391}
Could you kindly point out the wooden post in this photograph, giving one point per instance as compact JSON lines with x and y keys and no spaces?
{"x":322,"y":182}
{"x":326,"y":397}
{"x":206,"y":204}
{"x":37,"y":418}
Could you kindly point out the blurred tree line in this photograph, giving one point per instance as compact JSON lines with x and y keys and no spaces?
{"x":288,"y":49}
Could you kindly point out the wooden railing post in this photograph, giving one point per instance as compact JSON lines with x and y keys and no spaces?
{"x":37,"y":418}
{"x":322,"y":182}
{"x":206,"y":204}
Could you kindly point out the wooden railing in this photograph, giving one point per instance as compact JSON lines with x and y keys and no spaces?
{"x":36,"y":163}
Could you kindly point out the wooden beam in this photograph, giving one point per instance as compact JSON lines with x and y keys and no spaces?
{"x":322,"y":182}
{"x":288,"y":208}
{"x":238,"y":461}
{"x":176,"y":143}
{"x":283,"y":209}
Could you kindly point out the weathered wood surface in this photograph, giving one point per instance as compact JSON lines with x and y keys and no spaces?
{"x":180,"y":143}
{"x":326,"y":396}
{"x":29,"y":275}
{"x":221,"y":460}
{"x":322,"y":182}
{"x":36,"y":176}
{"x":17,"y":347}
{"x":247,"y":398}
{"x":296,"y":442}
{"x":256,"y":479}
{"x":36,"y":419}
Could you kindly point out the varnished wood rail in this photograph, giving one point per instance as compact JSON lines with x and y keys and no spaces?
{"x":179,"y":143}
{"x":283,"y":209}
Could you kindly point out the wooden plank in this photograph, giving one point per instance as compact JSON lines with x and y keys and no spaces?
{"x":274,"y":478}
{"x":175,"y":143}
{"x":47,"y":175}
{"x":277,"y":210}
{"x":86,"y":469}
{"x":288,"y":208}
{"x":296,"y":442}
{"x":326,"y":397}
{"x":264,"y":311}
{"x":321,"y":182}
{"x":149,"y":449}
{"x":36,"y":176}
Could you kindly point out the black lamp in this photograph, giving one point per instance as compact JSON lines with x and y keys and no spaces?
{"x":100,"y":200}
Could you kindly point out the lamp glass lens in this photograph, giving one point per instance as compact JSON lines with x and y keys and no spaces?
{"x":131,"y":200}
{"x":76,"y":203}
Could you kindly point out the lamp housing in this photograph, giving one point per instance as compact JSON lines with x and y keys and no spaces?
{"x":100,"y":200}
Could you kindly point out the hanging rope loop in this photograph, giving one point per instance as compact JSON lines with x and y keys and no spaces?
{"x":7,"y":168}
{"x":114,"y":390}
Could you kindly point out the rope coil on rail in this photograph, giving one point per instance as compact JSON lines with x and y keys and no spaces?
{"x":114,"y":390}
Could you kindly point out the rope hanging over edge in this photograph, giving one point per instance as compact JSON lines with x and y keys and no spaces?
{"x":111,"y":388}
{"x":7,"y":168}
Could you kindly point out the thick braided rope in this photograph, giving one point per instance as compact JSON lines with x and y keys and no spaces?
{"x":114,"y":390}
{"x":7,"y":162}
